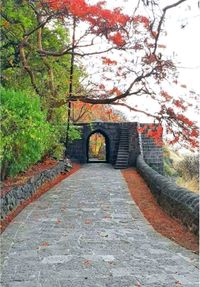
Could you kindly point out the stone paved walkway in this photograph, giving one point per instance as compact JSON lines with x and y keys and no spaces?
{"x":87,"y":231}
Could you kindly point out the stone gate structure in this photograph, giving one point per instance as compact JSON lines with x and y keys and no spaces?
{"x":123,"y":145}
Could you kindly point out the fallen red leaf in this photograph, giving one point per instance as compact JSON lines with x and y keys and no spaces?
{"x":88,"y":221}
{"x":87,"y":262}
{"x":161,"y":222}
{"x":45,"y":243}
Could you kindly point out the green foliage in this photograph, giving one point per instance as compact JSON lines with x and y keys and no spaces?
{"x":58,"y":150}
{"x":74,"y":133}
{"x":51,"y":74}
{"x":25,"y":134}
{"x":168,"y":167}
{"x":169,"y":160}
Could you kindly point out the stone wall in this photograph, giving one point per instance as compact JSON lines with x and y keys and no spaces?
{"x":152,"y":152}
{"x":110,"y":131}
{"x":17,"y":195}
{"x":178,"y":202}
{"x":134,"y":149}
{"x":77,"y":150}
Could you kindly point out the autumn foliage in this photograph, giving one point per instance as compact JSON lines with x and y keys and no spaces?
{"x":84,"y":113}
{"x":102,"y":21}
{"x":109,"y":58}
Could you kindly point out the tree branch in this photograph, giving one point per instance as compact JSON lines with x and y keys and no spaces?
{"x":68,"y":51}
{"x":28,"y":69}
{"x":135,"y":110}
{"x":162,"y":19}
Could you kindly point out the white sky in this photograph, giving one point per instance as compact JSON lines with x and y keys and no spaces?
{"x":184,"y":43}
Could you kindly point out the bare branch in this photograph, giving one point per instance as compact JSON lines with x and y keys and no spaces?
{"x":68,"y":51}
{"x":136,"y":110}
{"x":162,"y":19}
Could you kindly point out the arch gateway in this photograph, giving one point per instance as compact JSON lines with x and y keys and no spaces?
{"x":106,"y":146}
{"x":123,"y":145}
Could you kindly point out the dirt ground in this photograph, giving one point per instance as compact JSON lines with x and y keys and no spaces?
{"x":160,"y":221}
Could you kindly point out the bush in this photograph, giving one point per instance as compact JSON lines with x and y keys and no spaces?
{"x":169,"y":160}
{"x":188,"y":168}
{"x":25,"y":134}
{"x":58,"y":149}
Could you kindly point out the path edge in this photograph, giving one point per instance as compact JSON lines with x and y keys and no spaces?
{"x":45,"y":187}
{"x":172,"y":229}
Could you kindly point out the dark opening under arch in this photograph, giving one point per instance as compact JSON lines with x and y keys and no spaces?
{"x":102,"y":152}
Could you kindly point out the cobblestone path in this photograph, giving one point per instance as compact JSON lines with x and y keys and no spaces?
{"x":87,"y":231}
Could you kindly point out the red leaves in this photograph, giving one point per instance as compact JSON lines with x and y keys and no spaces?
{"x":149,"y":59}
{"x":171,"y":112}
{"x":45,"y":244}
{"x":156,"y":134}
{"x":165,"y":95}
{"x":87,"y":263}
{"x":108,"y":61}
{"x":174,"y":141}
{"x":109,"y":111}
{"x":184,"y":119}
{"x":92,"y":112}
{"x":187,"y":132}
{"x":116,"y":91}
{"x":141,"y":129}
{"x":137,"y":46}
{"x":141,"y":19}
{"x":117,"y":39}
{"x":88,"y":221}
{"x":159,"y":219}
{"x":179,"y":104}
{"x":153,"y":131}
{"x":194,"y":133}
{"x":78,"y":8}
{"x":102,"y":21}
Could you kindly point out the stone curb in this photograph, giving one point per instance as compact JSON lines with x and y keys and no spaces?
{"x":178,"y":202}
{"x":17,"y":195}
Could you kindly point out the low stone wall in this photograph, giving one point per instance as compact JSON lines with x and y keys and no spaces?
{"x":17,"y":195}
{"x":178,"y":202}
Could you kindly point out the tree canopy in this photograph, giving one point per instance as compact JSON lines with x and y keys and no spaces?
{"x":46,"y":44}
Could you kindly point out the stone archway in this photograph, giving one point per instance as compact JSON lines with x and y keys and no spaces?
{"x":107,"y":146}
{"x":120,"y":146}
